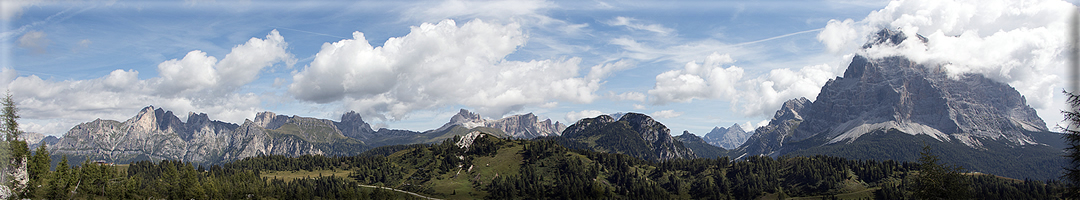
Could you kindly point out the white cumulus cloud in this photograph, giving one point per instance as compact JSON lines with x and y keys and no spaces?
{"x":665,"y":114}
{"x":197,"y":82}
{"x":751,"y":96}
{"x":573,"y":117}
{"x":628,"y":96}
{"x":442,"y":64}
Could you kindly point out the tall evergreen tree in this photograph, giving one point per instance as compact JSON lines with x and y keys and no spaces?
{"x":9,"y":117}
{"x":1072,"y":148}
{"x":18,"y":151}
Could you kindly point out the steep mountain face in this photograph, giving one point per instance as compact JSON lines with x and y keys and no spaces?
{"x":353,"y":126}
{"x":895,"y":92}
{"x":699,"y":146}
{"x":156,"y":134}
{"x":524,"y":126}
{"x":878,"y":101}
{"x":634,"y":134}
{"x":727,"y":138}
{"x":769,"y":138}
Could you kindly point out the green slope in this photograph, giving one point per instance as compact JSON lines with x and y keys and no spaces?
{"x":1038,"y":162}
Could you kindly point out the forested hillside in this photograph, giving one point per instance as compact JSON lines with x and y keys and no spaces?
{"x":494,"y":168}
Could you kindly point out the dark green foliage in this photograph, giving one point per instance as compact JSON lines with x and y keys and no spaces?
{"x":700,"y":148}
{"x":939,"y":181}
{"x":1034,"y":161}
{"x":546,"y":170}
{"x":616,"y":137}
{"x":10,"y":117}
{"x":1072,"y":145}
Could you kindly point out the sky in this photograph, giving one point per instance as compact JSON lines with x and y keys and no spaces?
{"x":692,"y":65}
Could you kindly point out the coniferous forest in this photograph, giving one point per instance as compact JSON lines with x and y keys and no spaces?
{"x":496,"y":168}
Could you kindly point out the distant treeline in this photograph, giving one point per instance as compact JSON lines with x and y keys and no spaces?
{"x":533,"y":169}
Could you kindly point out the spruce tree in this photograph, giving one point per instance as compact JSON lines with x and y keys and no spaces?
{"x":10,"y":117}
{"x":1072,"y":148}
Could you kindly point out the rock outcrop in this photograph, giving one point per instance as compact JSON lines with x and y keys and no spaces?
{"x":524,"y":126}
{"x":770,"y":138}
{"x":727,"y":138}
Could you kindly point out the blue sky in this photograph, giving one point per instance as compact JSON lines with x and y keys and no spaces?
{"x":691,"y":64}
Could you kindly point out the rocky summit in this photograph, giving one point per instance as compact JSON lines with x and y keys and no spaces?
{"x":633,"y":134}
{"x":727,"y":138}
{"x":525,"y":126}
{"x":879,"y":98}
{"x":156,"y":134}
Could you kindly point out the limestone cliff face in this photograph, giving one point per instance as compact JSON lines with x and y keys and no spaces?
{"x":770,"y":138}
{"x":727,"y":138}
{"x":524,"y":126}
{"x":896,"y":93}
{"x":156,"y":134}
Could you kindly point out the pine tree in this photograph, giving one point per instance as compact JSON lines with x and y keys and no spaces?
{"x":1072,"y":148}
{"x":9,"y":117}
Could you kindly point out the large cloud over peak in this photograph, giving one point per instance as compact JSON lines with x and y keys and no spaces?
{"x":442,"y":64}
{"x":1021,"y":43}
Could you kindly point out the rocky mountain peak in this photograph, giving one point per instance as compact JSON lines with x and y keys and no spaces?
{"x":791,"y":109}
{"x":650,"y":129}
{"x":895,"y":92}
{"x":269,"y":120}
{"x":635,"y":134}
{"x":889,"y":37}
{"x":737,"y":127}
{"x":466,"y":116}
{"x":352,"y":125}
{"x":689,"y":137}
{"x":352,"y":117}
{"x":157,"y":120}
{"x":727,"y":138}
{"x":717,"y":129}
{"x":518,"y":126}
{"x":197,"y":119}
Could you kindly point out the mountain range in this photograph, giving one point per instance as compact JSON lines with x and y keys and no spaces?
{"x":884,"y":108}
{"x":157,"y":134}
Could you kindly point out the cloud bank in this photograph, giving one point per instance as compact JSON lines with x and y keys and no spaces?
{"x":442,"y":64}
{"x":748,"y":95}
{"x":195,"y":83}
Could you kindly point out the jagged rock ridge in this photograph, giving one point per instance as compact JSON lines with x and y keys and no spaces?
{"x":156,"y":134}
{"x":727,"y":138}
{"x":769,"y":138}
{"x":896,"y":93}
{"x":524,"y":126}
{"x":885,"y":107}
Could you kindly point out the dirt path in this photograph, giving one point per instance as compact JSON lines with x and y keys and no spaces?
{"x":402,"y":191}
